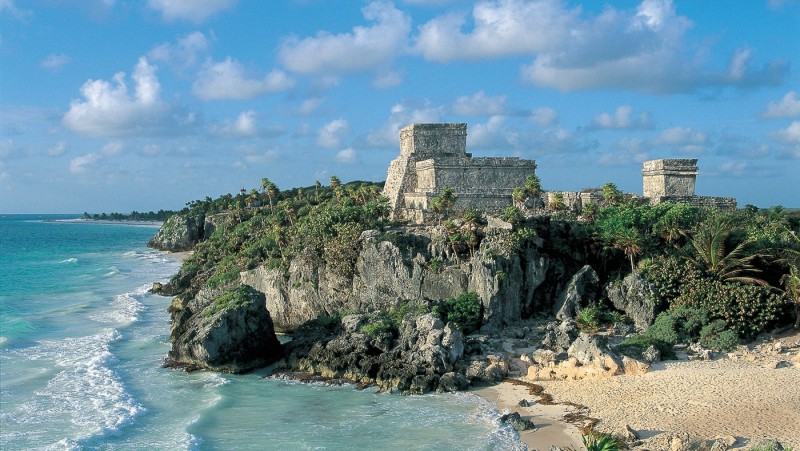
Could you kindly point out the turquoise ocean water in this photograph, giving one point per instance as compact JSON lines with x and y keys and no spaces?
{"x":82,"y":341}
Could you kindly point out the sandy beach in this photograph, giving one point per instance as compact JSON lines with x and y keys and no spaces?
{"x":750,"y":395}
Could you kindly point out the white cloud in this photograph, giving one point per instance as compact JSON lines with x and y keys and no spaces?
{"x":790,"y":134}
{"x":682,"y":136}
{"x":491,"y":134}
{"x":108,"y":109}
{"x":11,"y":8}
{"x":196,"y":11}
{"x":501,"y":28}
{"x":788,"y":106}
{"x":346,"y":156}
{"x":81,"y":164}
{"x":58,"y":149}
{"x":244,"y":125}
{"x":228,"y":80}
{"x":151,"y":149}
{"x":403,"y":114}
{"x":186,"y":53}
{"x":621,"y":119}
{"x":113,"y":148}
{"x":6,"y":146}
{"x":628,"y":151}
{"x":366,"y":48}
{"x":311,"y":105}
{"x":389,"y":79}
{"x":641,"y":49}
{"x":734,"y":168}
{"x":479,"y":104}
{"x":331,"y":134}
{"x":544,"y":117}
{"x":55,"y":62}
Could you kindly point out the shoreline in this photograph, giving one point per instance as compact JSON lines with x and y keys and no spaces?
{"x":108,"y":222}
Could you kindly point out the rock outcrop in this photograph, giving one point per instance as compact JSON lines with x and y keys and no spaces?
{"x":636,"y":297}
{"x":420,"y":358}
{"x":583,"y":289}
{"x":228,"y":331}
{"x":179,"y":233}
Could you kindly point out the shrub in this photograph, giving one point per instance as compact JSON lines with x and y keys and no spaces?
{"x":717,"y":336}
{"x":747,"y":309}
{"x":596,"y":441}
{"x":635,"y":345}
{"x":241,"y":295}
{"x":465,"y":312}
{"x":590,"y":318}
{"x":381,"y":325}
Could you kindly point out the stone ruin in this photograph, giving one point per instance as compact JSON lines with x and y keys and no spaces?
{"x":673,"y":180}
{"x":434,"y":156}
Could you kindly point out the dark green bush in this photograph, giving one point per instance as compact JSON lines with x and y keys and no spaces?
{"x":465,"y":312}
{"x":635,"y":345}
{"x":717,"y":336}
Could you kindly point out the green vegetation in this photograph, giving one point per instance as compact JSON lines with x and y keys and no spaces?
{"x":160,"y":215}
{"x":270,"y":227}
{"x":592,"y":318}
{"x":241,"y":295}
{"x":465,"y":312}
{"x":597,"y":441}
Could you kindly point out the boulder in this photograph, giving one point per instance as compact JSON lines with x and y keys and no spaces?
{"x":179,"y":233}
{"x":453,"y":382}
{"x":636,"y":297}
{"x":559,"y":336}
{"x":651,"y":354}
{"x":581,"y":290}
{"x":517,"y":422}
{"x":588,"y":350}
{"x":228,"y":331}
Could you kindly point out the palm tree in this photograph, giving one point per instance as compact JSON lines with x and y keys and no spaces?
{"x":611,"y":194}
{"x":629,"y":241}
{"x":533,"y":187}
{"x":710,"y":254}
{"x":335,"y":184}
{"x":448,"y":199}
{"x":270,"y":189}
{"x":518,"y":196}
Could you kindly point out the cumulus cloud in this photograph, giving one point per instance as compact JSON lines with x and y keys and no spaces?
{"x":544,"y":116}
{"x":58,"y":149}
{"x":309,"y":106}
{"x":479,"y":104}
{"x":643,"y":49}
{"x":788,"y":106}
{"x":346,"y":156}
{"x":185,"y":53}
{"x":621,"y":119}
{"x":403,"y":114}
{"x":790,"y":134}
{"x":684,"y":139}
{"x":331,"y":134}
{"x":263,"y":157}
{"x":229,"y":80}
{"x":500,"y":28}
{"x":196,"y":11}
{"x":366,"y":48}
{"x":82,"y":163}
{"x":54,"y":62}
{"x":388,"y":79}
{"x":491,"y":134}
{"x":108,"y":109}
{"x":628,"y":151}
{"x":244,"y":125}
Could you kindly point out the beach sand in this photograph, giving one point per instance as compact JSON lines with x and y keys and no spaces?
{"x":751,"y":395}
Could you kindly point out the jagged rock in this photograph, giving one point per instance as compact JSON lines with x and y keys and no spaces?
{"x":582,"y":290}
{"x":718,"y":445}
{"x":487,"y":370}
{"x":523,"y":403}
{"x":699,"y":353}
{"x":453,"y":382}
{"x":679,"y":442}
{"x":633,"y":367}
{"x":559,"y":336}
{"x":636,"y":297}
{"x":179,"y":233}
{"x":517,"y":422}
{"x":589,"y":351}
{"x":421,"y":358}
{"x":228,"y":331}
{"x":651,"y":354}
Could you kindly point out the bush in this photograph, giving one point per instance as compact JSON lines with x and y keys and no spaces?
{"x":717,"y":336}
{"x":465,"y":312}
{"x":241,"y":295}
{"x":381,"y":325}
{"x":747,"y":309}
{"x":635,"y":345}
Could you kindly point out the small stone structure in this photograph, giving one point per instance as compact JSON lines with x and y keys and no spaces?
{"x":673,"y":180}
{"x":433,"y":157}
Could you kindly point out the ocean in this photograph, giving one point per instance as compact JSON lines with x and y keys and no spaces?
{"x":81,"y":347}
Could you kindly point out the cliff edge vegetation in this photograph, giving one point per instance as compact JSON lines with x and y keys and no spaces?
{"x":470,"y":298}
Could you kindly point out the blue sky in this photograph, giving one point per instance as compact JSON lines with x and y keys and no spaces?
{"x":120,"y":105}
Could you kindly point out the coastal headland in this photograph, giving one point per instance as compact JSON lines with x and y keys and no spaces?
{"x":661,"y":322}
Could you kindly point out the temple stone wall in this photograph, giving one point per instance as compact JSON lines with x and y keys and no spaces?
{"x":433,"y":157}
{"x":669,"y":177}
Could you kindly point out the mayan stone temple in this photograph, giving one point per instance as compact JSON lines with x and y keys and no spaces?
{"x":673,"y":180}
{"x":434,"y":156}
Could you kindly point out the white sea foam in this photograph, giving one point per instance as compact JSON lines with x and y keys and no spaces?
{"x":85,"y":390}
{"x":125,"y":309}
{"x":69,"y":260}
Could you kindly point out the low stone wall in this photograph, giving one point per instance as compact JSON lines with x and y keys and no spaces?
{"x":722,"y":203}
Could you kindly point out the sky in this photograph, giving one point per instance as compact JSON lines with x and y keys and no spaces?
{"x":122,"y":105}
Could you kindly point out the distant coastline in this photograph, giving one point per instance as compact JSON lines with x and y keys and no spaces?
{"x":109,"y":222}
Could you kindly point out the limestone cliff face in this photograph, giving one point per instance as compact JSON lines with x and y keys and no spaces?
{"x":181,"y":233}
{"x":415,"y":265}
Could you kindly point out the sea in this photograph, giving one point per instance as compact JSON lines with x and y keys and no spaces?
{"x":82,"y":343}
